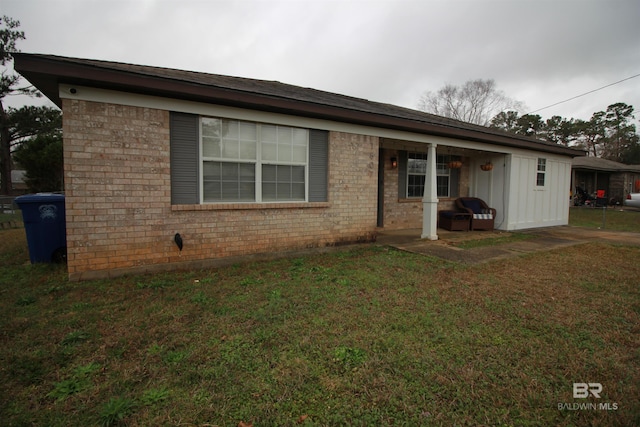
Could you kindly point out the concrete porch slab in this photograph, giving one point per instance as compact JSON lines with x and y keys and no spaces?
{"x":541,"y":240}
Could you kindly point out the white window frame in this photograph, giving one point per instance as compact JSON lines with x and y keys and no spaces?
{"x":541,"y":172}
{"x":257,"y":162}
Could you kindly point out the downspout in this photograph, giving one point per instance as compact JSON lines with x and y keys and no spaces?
{"x":430,"y":197}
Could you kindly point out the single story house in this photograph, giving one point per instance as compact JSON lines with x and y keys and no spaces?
{"x":591,"y":174}
{"x":242,"y":167}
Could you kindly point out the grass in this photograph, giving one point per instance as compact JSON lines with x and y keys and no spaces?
{"x":367,"y":336}
{"x":614,"y":219}
{"x":482,"y":242}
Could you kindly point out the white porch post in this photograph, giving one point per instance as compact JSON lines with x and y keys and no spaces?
{"x":430,"y":197}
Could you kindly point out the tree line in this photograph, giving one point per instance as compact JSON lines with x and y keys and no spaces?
{"x":30,"y":136}
{"x":609,"y":134}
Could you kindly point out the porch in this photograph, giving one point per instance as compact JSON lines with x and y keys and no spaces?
{"x":418,"y":180}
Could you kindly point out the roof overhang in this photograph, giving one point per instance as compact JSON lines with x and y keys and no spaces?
{"x":47,"y":72}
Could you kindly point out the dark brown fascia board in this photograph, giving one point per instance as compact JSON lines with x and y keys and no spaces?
{"x":48,"y":72}
{"x":606,"y":170}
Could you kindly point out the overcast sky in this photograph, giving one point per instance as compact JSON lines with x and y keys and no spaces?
{"x":539,"y":52}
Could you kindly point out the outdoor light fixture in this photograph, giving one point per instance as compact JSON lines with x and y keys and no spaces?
{"x":394,"y":162}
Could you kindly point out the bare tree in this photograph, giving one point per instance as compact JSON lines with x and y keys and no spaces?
{"x":476,"y":101}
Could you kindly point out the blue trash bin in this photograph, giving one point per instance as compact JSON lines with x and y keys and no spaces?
{"x":45,"y":224}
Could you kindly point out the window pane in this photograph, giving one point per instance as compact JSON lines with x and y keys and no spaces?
{"x":269,"y":152}
{"x":247,"y":191}
{"x":211,"y":170}
{"x":284,"y":153}
{"x":284,"y":174}
{"x":230,"y":191}
{"x":442,"y":186}
{"x":230,"y":150}
{"x":441,"y":165}
{"x":542,"y":165}
{"x":297,"y":191}
{"x":212,"y":191}
{"x":268,"y":133}
{"x":248,"y":131}
{"x":415,"y":186}
{"x":284,"y":191}
{"x":210,"y":147}
{"x":299,"y":154}
{"x":269,"y":173}
{"x":247,"y":172}
{"x":248,"y":150}
{"x":417,"y":166}
{"x":283,"y":182}
{"x":225,"y":182}
{"x":229,"y":171}
{"x":211,"y":127}
{"x":284,"y":135}
{"x":297,"y":174}
{"x":300,"y":137}
{"x":230,"y":129}
{"x":268,"y":192}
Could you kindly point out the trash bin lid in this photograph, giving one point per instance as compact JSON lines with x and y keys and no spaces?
{"x":40,"y":198}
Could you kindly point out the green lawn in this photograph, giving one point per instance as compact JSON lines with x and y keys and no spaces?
{"x":367,"y":336}
{"x":616,"y":219}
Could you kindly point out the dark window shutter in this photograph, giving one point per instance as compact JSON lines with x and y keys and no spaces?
{"x":402,"y":174}
{"x":454,"y":183}
{"x":184,"y":139}
{"x":318,"y":165}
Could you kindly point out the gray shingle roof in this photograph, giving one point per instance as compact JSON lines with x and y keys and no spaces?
{"x":598,"y":164}
{"x":47,"y":71}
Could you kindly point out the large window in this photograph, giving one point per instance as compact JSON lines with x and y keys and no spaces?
{"x":416,"y":170}
{"x":252,"y":162}
{"x":542,"y":170}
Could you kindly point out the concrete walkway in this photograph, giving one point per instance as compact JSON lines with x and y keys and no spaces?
{"x":542,"y":239}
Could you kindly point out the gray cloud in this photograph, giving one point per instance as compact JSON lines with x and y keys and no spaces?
{"x":539,"y":52}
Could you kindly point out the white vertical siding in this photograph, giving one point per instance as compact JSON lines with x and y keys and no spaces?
{"x":533,"y":206}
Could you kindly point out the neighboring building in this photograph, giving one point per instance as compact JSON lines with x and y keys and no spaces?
{"x":616,"y":179}
{"x":18,"y":184}
{"x":247,"y":167}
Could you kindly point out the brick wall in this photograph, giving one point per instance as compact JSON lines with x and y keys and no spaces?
{"x":407,"y":213}
{"x":118,"y":199}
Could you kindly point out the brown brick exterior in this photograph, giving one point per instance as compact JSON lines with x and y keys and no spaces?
{"x":118,"y":199}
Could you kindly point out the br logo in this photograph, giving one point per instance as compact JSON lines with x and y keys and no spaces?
{"x":583,"y":390}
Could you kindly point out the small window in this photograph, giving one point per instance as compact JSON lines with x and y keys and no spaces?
{"x":542,"y":169}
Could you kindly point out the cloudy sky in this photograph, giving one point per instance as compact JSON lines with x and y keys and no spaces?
{"x":539,"y":52}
